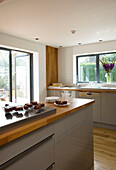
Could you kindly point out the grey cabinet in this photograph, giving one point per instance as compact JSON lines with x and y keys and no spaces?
{"x":108,"y":108}
{"x":73,"y":141}
{"x":58,"y":93}
{"x":53,"y":93}
{"x":66,"y":144}
{"x":97,"y":105}
{"x":32,"y":151}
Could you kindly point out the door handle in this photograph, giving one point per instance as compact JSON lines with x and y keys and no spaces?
{"x":89,"y":93}
{"x":51,"y":166}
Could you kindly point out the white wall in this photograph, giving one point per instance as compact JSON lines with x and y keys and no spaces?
{"x":39,"y":51}
{"x":66,"y":55}
{"x":65,"y":65}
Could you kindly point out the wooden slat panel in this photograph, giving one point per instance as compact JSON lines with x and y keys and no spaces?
{"x":51,"y":65}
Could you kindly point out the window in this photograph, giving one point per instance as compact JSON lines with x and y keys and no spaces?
{"x":16,"y":75}
{"x":4,"y":74}
{"x":89,"y":68}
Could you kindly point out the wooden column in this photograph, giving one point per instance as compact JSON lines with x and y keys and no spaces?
{"x":51,"y":65}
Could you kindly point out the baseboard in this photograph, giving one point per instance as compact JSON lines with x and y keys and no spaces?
{"x":103,"y":125}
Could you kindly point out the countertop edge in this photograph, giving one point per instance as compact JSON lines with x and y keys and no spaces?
{"x":85,"y":90}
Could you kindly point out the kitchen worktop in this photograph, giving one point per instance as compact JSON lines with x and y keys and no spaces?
{"x":18,"y":131}
{"x":86,"y":88}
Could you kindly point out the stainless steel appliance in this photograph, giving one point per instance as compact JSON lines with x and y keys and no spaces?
{"x":18,"y":117}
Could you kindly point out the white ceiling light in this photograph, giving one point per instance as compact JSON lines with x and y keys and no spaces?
{"x":1,"y":1}
{"x":73,"y":31}
{"x":36,"y":38}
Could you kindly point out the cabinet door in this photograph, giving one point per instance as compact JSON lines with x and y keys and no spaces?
{"x":19,"y":145}
{"x":53,"y":93}
{"x":109,"y":108}
{"x":96,"y":106}
{"x":73,"y":141}
{"x":38,"y":157}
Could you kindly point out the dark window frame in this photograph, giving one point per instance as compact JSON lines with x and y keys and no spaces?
{"x":10,"y":71}
{"x":97,"y":65}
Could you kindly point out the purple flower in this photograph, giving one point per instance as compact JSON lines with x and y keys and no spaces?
{"x":111,"y":66}
{"x":107,"y":65}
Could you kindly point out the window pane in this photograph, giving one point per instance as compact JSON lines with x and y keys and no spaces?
{"x":109,"y":57}
{"x":4,"y":75}
{"x":87,"y":69}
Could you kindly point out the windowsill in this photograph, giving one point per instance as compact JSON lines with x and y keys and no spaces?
{"x":96,"y":85}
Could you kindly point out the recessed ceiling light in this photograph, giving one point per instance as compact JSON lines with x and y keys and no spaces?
{"x":73,"y":31}
{"x":1,"y":1}
{"x":36,"y":38}
{"x":100,"y":40}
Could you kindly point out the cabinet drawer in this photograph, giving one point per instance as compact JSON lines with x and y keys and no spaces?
{"x":15,"y":147}
{"x":40,"y":156}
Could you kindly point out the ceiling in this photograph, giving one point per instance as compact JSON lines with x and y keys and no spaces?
{"x":52,"y":20}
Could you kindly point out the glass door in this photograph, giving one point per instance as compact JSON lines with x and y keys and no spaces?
{"x":20,"y":77}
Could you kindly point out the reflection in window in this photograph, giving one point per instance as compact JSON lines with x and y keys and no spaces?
{"x":4,"y":75}
{"x":87,"y":69}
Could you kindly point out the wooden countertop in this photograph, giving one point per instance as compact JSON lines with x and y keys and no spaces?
{"x":85,"y":89}
{"x":16,"y":132}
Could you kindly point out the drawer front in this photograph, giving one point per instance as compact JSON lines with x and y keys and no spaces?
{"x":21,"y":144}
{"x":39,"y":156}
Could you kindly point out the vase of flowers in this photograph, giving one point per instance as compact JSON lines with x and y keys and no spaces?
{"x":108,"y":67}
{"x":108,"y":76}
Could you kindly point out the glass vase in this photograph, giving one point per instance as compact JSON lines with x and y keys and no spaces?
{"x":108,"y":76}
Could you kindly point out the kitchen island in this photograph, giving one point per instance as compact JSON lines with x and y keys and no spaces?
{"x":63,"y":140}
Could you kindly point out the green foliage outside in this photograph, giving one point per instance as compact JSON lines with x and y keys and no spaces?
{"x":4,"y":82}
{"x":4,"y":69}
{"x":89,"y":71}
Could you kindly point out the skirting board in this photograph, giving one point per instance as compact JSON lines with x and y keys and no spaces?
{"x":103,"y":125}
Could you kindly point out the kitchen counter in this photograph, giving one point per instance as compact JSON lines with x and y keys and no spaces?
{"x":16,"y":132}
{"x":85,"y":88}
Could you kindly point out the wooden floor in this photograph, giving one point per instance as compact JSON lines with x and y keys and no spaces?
{"x":104,"y":149}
